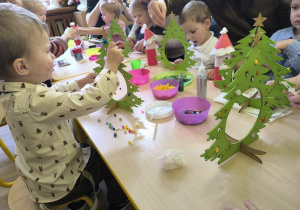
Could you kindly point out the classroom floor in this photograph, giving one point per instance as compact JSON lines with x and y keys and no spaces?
{"x":8,"y":173}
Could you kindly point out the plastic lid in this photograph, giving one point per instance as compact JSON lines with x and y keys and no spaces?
{"x":159,"y":110}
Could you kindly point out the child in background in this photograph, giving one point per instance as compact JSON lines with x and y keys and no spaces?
{"x":48,"y":158}
{"x":112,"y":10}
{"x":195,"y":20}
{"x":16,"y":2}
{"x":141,"y":16}
{"x":59,"y":44}
{"x":287,"y":40}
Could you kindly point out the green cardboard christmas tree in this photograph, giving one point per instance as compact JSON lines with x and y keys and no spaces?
{"x":130,"y":99}
{"x":257,"y":53}
{"x":174,"y":31}
{"x":114,"y":29}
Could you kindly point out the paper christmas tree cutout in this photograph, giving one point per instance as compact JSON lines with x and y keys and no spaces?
{"x":174,"y":31}
{"x":257,"y":52}
{"x":222,"y":51}
{"x":150,"y":43}
{"x":130,"y":99}
{"x":115,"y":28}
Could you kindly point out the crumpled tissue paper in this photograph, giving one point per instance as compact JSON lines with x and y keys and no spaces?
{"x":171,"y":159}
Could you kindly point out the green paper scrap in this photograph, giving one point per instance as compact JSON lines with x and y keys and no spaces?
{"x":174,"y":31}
{"x":258,"y":53}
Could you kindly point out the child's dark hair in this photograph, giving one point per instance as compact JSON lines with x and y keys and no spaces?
{"x":195,"y":10}
{"x":17,"y":26}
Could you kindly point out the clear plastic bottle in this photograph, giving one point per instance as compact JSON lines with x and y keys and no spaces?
{"x":201,"y":82}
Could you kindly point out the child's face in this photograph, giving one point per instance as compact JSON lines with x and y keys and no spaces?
{"x":107,"y":16}
{"x":198,"y":33}
{"x":295,"y":14}
{"x":40,"y":62}
{"x":141,"y":17}
{"x":41,"y":13}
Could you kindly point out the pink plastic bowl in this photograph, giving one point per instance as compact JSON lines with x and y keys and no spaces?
{"x":191,"y":103}
{"x":164,"y":94}
{"x":140,"y":76}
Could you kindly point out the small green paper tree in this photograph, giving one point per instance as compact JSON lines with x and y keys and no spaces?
{"x":174,"y":31}
{"x":130,"y":99}
{"x":258,"y":53}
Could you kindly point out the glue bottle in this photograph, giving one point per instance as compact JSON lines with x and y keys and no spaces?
{"x":201,"y":82}
{"x":77,"y":38}
{"x":181,"y":83}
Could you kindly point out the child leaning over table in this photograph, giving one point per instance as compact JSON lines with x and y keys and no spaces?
{"x":59,"y":44}
{"x":111,"y":9}
{"x":287,"y":40}
{"x":195,"y":20}
{"x":48,"y":157}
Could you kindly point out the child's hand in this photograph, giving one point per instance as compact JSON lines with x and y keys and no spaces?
{"x":295,"y":100}
{"x":114,"y":57}
{"x":178,"y":61}
{"x":88,"y":79}
{"x":69,"y":34}
{"x":120,"y":44}
{"x":210,"y":73}
{"x":139,"y":46}
{"x":281,"y":45}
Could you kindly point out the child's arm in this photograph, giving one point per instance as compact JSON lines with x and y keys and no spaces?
{"x":90,"y":30}
{"x":291,"y":48}
{"x":88,"y":79}
{"x":69,"y":33}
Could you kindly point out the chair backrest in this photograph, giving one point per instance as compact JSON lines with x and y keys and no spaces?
{"x":5,"y":131}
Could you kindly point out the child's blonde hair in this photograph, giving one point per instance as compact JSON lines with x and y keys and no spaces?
{"x":112,"y":6}
{"x":195,"y":10}
{"x":135,"y":5}
{"x":33,"y":5}
{"x":13,"y":20}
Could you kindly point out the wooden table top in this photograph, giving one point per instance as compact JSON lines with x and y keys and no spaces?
{"x":199,"y":184}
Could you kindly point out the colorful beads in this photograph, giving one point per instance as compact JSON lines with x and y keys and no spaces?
{"x":197,"y":111}
{"x":164,"y":87}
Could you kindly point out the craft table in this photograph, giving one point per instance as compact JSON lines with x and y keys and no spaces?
{"x":78,"y":68}
{"x":199,"y":184}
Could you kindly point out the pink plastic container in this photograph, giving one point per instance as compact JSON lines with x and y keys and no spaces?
{"x":165,"y":94}
{"x":191,"y":103}
{"x":140,"y":76}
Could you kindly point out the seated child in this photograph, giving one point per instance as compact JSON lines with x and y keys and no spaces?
{"x":287,"y":40}
{"x":59,"y":44}
{"x":112,"y":10}
{"x":48,"y":158}
{"x":195,"y":20}
{"x":141,"y":16}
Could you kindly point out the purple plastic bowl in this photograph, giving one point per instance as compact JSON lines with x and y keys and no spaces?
{"x":164,"y":94}
{"x":140,"y":76}
{"x":191,"y":103}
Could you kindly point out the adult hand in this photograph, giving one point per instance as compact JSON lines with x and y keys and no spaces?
{"x":281,"y":45}
{"x":139,"y":46}
{"x":157,"y":11}
{"x":114,"y":57}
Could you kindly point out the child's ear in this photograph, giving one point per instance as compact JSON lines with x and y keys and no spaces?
{"x":207,"y":23}
{"x":20,"y":66}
